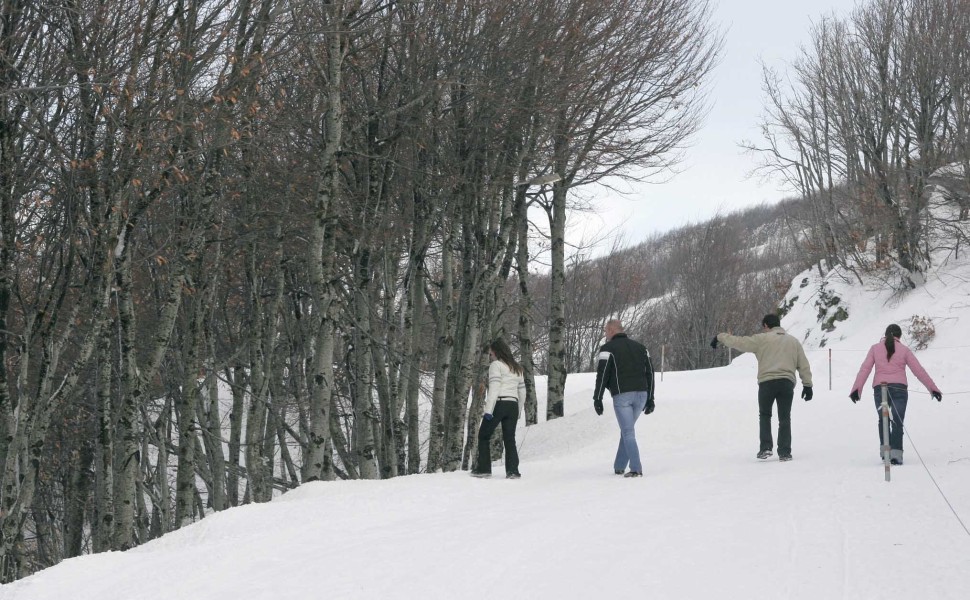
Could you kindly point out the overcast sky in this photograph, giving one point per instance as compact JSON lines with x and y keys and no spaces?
{"x":714,"y":174}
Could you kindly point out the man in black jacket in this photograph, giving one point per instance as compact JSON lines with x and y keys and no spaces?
{"x":624,"y":368}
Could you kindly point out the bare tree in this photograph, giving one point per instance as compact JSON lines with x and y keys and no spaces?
{"x":626,"y":83}
{"x":864,"y":125}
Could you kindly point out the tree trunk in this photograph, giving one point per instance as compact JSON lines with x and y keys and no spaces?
{"x":317,"y":464}
{"x":444,"y":335}
{"x":163,"y":437}
{"x":557,"y":305}
{"x":458,"y":404}
{"x":414,"y":350}
{"x":80,"y":489}
{"x":365,"y":419}
{"x":238,"y":385}
{"x":103,"y":530}
{"x":525,"y":314}
{"x":213,"y":435}
{"x":186,"y":411}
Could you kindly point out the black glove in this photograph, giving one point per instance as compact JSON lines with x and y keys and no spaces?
{"x":714,"y":343}
{"x":937,"y":395}
{"x":854,"y":396}
{"x":650,"y":407}
{"x":598,"y":406}
{"x":807,"y":393}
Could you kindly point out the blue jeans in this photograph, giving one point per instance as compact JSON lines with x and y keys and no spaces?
{"x":628,"y":407}
{"x":898,"y":397}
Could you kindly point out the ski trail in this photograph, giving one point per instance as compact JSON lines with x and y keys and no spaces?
{"x":792,"y":550}
{"x":845,"y":550}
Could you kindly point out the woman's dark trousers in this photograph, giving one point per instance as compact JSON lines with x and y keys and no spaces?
{"x":769,"y":392}
{"x":506,"y":413}
{"x":898,"y":398}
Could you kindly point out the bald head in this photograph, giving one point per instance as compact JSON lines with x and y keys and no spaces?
{"x":613,"y":327}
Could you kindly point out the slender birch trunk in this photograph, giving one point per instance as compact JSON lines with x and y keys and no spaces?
{"x":186,"y":411}
{"x":80,"y":488}
{"x":318,"y":462}
{"x":238,"y":385}
{"x":163,"y":435}
{"x":213,"y":433}
{"x":388,"y":415}
{"x":457,"y":411}
{"x":415,"y":353}
{"x":525,"y":314}
{"x":365,"y":419}
{"x":257,"y":466}
{"x":557,"y":304}
{"x":126,"y":426}
{"x":444,"y":335}
{"x":103,"y":529}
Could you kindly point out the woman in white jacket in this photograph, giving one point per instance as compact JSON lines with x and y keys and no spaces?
{"x":506,"y":391}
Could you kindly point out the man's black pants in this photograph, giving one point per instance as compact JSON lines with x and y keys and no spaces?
{"x":781,"y":391}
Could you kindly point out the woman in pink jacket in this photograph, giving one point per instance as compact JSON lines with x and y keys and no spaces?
{"x":890,"y":357}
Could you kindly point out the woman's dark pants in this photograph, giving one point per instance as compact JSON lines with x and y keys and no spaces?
{"x":898,"y":398}
{"x":506,"y":413}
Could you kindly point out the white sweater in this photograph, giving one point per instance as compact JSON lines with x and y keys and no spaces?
{"x":503,"y":383}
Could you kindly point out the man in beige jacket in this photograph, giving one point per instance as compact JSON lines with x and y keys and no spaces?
{"x":779,"y":356}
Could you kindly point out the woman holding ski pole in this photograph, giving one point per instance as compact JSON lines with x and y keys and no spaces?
{"x":890,"y":359}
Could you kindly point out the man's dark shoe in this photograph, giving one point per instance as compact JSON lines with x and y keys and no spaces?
{"x":764,"y":454}
{"x":513,"y":476}
{"x":785,"y":457}
{"x":619,"y":472}
{"x":895,"y":461}
{"x":481,"y":475}
{"x":633,"y":474}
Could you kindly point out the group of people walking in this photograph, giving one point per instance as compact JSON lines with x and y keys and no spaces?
{"x":625,"y":369}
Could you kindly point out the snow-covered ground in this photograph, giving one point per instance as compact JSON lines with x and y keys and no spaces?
{"x":707,"y":520}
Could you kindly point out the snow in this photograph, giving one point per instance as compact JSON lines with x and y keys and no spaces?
{"x":707,"y":520}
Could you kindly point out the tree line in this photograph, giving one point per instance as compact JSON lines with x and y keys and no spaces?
{"x":309,"y":210}
{"x":873,"y":118}
{"x":242,"y":242}
{"x":869,"y":129}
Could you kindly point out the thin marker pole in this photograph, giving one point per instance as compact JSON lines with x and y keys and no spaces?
{"x":663,"y":360}
{"x":884,"y":409}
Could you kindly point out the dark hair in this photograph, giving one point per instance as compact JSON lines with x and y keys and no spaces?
{"x":892,"y":332}
{"x":771,"y":321}
{"x":504,"y":354}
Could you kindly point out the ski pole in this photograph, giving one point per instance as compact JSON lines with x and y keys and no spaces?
{"x":884,"y":410}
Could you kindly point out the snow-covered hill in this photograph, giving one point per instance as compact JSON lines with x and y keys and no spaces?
{"x":708,"y":520}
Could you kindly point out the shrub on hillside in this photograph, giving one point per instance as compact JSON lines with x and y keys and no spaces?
{"x":921,"y":331}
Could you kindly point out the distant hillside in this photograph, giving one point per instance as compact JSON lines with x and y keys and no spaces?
{"x":675,"y":290}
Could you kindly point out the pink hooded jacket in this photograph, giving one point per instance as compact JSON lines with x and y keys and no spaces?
{"x":891,"y":371}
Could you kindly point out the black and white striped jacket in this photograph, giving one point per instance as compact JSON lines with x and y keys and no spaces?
{"x":623,"y":365}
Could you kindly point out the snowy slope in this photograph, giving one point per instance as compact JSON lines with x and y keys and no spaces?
{"x":708,"y":520}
